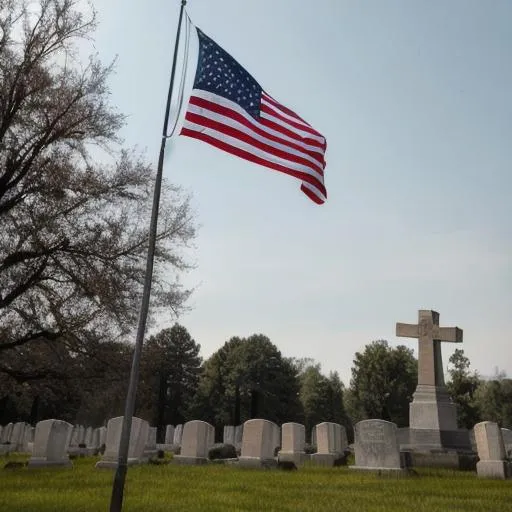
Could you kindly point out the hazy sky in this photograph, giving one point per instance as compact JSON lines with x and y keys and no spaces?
{"x":414,"y":99}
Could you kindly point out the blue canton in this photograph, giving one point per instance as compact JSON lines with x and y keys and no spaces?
{"x":219,"y":73}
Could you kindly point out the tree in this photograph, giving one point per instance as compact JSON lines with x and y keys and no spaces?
{"x":462,"y":387}
{"x":321,"y":397}
{"x":169,"y":376}
{"x":383,"y":382}
{"x":493,"y":399}
{"x":248,"y":378}
{"x":74,"y":233}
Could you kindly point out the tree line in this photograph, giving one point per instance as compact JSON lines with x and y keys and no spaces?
{"x":246,"y":378}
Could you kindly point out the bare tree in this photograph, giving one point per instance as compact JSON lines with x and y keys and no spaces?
{"x":73,"y":233}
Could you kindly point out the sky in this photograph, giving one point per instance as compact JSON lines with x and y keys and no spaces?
{"x":414,"y":99}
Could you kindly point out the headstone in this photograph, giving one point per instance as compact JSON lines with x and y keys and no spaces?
{"x":198,"y":437}
{"x":331,"y":442}
{"x":102,"y":436}
{"x":50,"y":444}
{"x":507,"y":440}
{"x":6,"y":433}
{"x":433,"y":415}
{"x":88,"y":437}
{"x":169,"y":434}
{"x":239,"y":434}
{"x":73,"y":442}
{"x":150,"y":448}
{"x":491,"y":451}
{"x":178,"y":433}
{"x":376,"y":446}
{"x":228,"y":435}
{"x":293,"y":441}
{"x":313,"y":436}
{"x":81,"y":434}
{"x":18,"y":437}
{"x":138,"y":438}
{"x":258,"y":444}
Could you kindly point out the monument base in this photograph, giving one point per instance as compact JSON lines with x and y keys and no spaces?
{"x":499,"y":469}
{"x":328,"y":459}
{"x":256,"y":462}
{"x":298,"y":458}
{"x":430,"y":439}
{"x":432,"y":409}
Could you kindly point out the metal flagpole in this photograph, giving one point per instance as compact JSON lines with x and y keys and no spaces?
{"x":116,"y":501}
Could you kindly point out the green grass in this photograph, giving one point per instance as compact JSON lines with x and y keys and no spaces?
{"x":225,"y":489}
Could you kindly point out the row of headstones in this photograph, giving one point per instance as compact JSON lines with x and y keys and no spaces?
{"x":16,"y":437}
{"x":376,"y":444}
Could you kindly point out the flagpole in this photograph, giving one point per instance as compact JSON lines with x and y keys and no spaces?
{"x":116,"y":501}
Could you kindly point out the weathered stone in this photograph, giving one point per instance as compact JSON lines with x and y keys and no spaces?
{"x":376,"y":446}
{"x":178,"y":433}
{"x":228,"y":435}
{"x":491,"y":451}
{"x":6,"y":433}
{"x":239,"y":434}
{"x":50,"y":444}
{"x":258,"y":444}
{"x":88,"y":437}
{"x":331,"y":441}
{"x":18,"y":437}
{"x":198,"y":438}
{"x":169,"y":434}
{"x":293,"y":441}
{"x":138,"y":438}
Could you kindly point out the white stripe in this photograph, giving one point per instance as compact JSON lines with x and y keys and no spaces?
{"x":241,"y":127}
{"x":301,"y":133}
{"x":237,"y":143}
{"x":275,"y":108}
{"x":314,"y":190}
{"x":224,"y":102}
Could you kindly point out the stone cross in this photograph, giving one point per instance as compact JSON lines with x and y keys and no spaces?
{"x":430,"y":336}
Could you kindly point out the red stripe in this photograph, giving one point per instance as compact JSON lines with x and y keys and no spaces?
{"x":311,"y":195}
{"x":237,"y":134}
{"x":284,"y":109}
{"x":301,"y":127}
{"x":232,"y":114}
{"x":253,"y":158}
{"x":289,"y":133}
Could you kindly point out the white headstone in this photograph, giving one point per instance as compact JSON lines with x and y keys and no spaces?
{"x":376,"y":445}
{"x":18,"y":437}
{"x":198,"y":438}
{"x":228,"y":436}
{"x":169,"y":434}
{"x":102,"y":435}
{"x":178,"y":433}
{"x":293,"y":440}
{"x":88,"y":437}
{"x":138,"y":438}
{"x":6,"y":433}
{"x":491,"y":451}
{"x":258,"y":443}
{"x":239,"y":434}
{"x":331,"y":442}
{"x":50,"y":444}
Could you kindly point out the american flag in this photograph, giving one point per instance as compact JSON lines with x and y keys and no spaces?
{"x":229,"y":110}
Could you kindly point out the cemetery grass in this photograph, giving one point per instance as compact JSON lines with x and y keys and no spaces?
{"x":225,"y":488}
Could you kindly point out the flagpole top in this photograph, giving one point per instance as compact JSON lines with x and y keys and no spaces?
{"x":183,"y":2}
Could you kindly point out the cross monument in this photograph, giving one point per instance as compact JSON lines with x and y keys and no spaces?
{"x":432,"y":408}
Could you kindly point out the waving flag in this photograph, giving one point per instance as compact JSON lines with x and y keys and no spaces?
{"x":229,"y":110}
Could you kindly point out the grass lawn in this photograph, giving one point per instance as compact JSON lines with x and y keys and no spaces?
{"x":225,"y":489}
